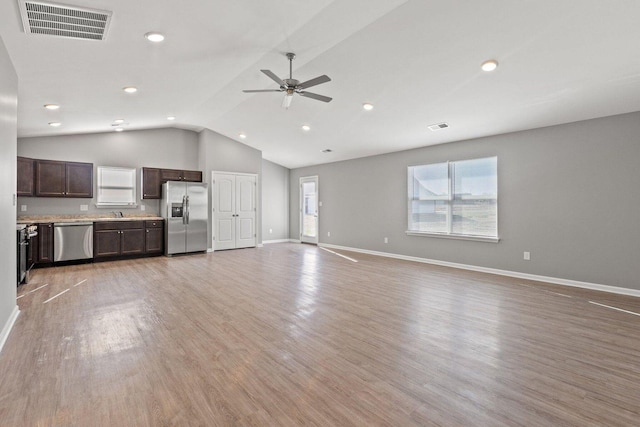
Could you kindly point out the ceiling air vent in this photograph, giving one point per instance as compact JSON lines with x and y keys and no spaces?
{"x":65,"y":21}
{"x":438,"y":126}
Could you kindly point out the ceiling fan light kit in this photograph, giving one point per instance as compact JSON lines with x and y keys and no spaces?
{"x":292,"y":86}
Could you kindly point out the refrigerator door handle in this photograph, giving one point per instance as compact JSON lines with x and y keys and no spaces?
{"x":187,"y":209}
{"x":184,"y":209}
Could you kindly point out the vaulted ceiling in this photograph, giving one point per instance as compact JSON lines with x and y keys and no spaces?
{"x":417,"y":62}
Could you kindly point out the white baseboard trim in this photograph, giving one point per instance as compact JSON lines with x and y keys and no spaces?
{"x":268,"y":242}
{"x":508,"y":273}
{"x":8,"y":326}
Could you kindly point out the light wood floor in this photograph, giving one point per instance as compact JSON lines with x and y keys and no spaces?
{"x":290,"y":335}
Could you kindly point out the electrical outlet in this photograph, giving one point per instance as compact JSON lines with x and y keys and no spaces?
{"x":320,"y":204}
{"x":527,"y":256}
{"x":271,"y":231}
{"x":143,"y":207}
{"x":328,"y":234}
{"x":84,"y":207}
{"x":23,"y":208}
{"x":386,"y":240}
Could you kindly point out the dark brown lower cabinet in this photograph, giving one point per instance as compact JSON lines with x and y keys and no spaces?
{"x":154,"y":237}
{"x":45,"y":243}
{"x":127,"y":238}
{"x":118,"y":238}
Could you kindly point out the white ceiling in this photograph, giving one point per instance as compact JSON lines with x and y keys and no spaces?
{"x":417,"y":61}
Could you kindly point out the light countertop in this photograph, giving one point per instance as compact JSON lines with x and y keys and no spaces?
{"x":83,"y":218}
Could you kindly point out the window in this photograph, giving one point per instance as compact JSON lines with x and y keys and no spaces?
{"x":116,"y":187}
{"x":456,"y":199}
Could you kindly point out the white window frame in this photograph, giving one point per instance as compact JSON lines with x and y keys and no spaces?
{"x":449,"y":199}
{"x":126,"y":175}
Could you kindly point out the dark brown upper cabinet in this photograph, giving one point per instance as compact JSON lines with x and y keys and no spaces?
{"x":26,"y":176}
{"x":180,"y":175}
{"x":153,"y":178}
{"x":63,"y":179}
{"x":192,"y":176}
{"x":170,"y":175}
{"x":151,"y":185}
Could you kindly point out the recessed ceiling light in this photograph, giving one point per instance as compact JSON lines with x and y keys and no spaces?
{"x":171,"y":118}
{"x":242,"y":136}
{"x":51,"y":106}
{"x":118,"y":121}
{"x":154,"y":37}
{"x":130,"y":89}
{"x":489,"y":65}
{"x":367,"y":106}
{"x":327,"y":150}
{"x":119,"y":129}
{"x":55,"y":124}
{"x":306,"y":128}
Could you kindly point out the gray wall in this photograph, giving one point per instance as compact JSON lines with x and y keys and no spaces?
{"x":163,"y":148}
{"x":221,"y":154}
{"x":275,"y":201}
{"x":8,"y":129}
{"x":568,"y":194}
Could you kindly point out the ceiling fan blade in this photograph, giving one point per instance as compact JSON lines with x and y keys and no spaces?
{"x":314,"y":82}
{"x":316,"y":96}
{"x":262,"y":90}
{"x":275,"y":78}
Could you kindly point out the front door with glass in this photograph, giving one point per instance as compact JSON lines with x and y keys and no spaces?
{"x":309,"y":209}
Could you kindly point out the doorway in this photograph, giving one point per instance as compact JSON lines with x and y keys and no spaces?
{"x":309,"y":209}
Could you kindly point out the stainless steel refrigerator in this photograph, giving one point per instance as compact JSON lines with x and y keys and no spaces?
{"x":184,"y":207}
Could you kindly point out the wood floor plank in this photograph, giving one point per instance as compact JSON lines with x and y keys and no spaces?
{"x":290,"y":335}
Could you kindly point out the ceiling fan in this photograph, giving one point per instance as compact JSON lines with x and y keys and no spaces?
{"x":291,"y":85}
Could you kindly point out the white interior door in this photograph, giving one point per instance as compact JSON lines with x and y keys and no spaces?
{"x":224,"y":208}
{"x":245,"y":211}
{"x":309,"y":209}
{"x":234,"y":211}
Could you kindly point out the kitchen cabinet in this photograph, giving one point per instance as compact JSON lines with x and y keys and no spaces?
{"x":170,"y":175}
{"x":26,"y":175}
{"x":180,"y":175}
{"x":63,"y":179}
{"x":45,"y":243}
{"x":153,"y":178}
{"x":154,"y":237}
{"x":151,"y":185}
{"x":118,"y":238}
{"x":127,"y":238}
{"x":192,"y":176}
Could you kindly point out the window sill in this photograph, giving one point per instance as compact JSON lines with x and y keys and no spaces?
{"x":453,"y":236}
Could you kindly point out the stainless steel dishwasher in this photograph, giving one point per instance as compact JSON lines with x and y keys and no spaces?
{"x":72,"y":240}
